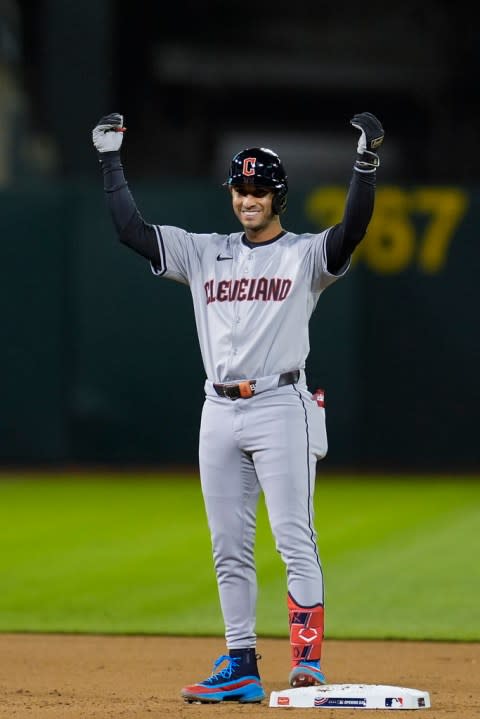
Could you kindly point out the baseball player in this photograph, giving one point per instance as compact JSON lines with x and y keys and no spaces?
{"x":262,"y":430}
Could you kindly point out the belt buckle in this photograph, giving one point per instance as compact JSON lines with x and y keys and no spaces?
{"x":244,"y":390}
{"x":247,"y":388}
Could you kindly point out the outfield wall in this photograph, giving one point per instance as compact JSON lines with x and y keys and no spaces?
{"x":100,"y":361}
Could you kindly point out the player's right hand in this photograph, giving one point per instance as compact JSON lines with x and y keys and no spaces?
{"x":107,"y":135}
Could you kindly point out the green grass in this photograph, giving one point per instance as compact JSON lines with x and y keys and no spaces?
{"x":131,"y":554}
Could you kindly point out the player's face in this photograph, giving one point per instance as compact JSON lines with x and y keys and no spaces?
{"x":253,"y":207}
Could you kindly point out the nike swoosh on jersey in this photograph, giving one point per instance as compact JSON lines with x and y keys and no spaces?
{"x":220,"y":258}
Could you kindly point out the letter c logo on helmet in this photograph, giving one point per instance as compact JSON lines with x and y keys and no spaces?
{"x":249,"y":166}
{"x":263,"y":167}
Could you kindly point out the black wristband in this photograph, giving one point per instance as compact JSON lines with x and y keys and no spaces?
{"x":110,"y":159}
{"x":367,"y":160}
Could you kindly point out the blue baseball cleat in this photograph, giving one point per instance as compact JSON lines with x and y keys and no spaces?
{"x":306,"y":674}
{"x":238,"y":681}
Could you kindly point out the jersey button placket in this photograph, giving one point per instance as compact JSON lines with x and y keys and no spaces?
{"x":235,"y":313}
{"x":240,"y":305}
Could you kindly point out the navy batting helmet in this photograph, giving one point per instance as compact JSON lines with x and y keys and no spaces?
{"x":263,"y":167}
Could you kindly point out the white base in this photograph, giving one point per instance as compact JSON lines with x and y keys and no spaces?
{"x":351,"y":696}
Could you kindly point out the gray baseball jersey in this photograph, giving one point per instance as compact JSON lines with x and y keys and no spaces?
{"x":252,"y":304}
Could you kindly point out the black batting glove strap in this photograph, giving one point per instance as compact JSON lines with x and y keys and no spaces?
{"x":367,"y":162}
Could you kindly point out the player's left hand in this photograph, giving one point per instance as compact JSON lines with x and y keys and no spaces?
{"x":107,"y":135}
{"x":371,"y":132}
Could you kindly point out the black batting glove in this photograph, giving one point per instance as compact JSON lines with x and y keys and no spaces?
{"x":371,"y":138}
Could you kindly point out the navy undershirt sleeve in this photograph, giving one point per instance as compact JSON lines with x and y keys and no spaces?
{"x":131,"y":227}
{"x":344,"y":237}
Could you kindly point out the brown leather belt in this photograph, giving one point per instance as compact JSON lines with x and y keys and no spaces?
{"x":246,"y":388}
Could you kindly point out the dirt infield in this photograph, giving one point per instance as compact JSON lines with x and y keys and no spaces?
{"x":95,"y":677}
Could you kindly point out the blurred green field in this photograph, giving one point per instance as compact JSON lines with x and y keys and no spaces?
{"x":130,"y":553}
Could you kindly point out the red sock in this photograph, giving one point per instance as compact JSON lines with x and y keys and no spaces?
{"x":306,"y":631}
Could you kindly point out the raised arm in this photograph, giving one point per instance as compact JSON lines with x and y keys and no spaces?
{"x":107,"y":137}
{"x":344,"y":238}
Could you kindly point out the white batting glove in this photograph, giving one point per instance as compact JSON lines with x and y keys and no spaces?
{"x":107,"y":135}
